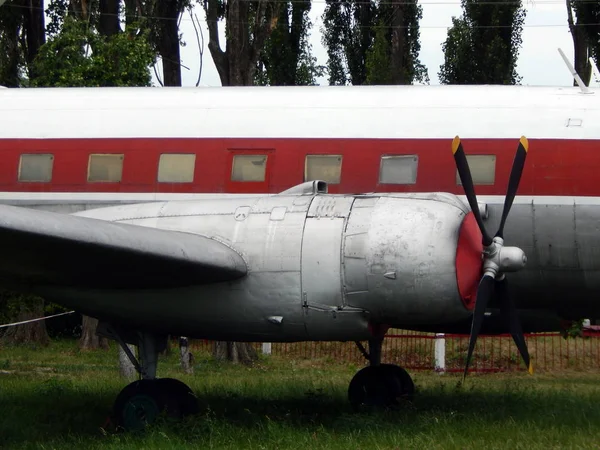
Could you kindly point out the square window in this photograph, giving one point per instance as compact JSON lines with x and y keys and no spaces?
{"x":105,"y":168}
{"x":401,"y":169}
{"x":36,"y":167}
{"x":176,"y":168}
{"x":323,"y":167}
{"x":249,"y":168}
{"x":483,"y":169}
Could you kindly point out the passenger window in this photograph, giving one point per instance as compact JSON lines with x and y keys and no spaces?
{"x":176,"y":168}
{"x":483,"y":169}
{"x":34,"y":167}
{"x":105,"y":168}
{"x":323,"y":167}
{"x":249,"y":168}
{"x":401,"y":169}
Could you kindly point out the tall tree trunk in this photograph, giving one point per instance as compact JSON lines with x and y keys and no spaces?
{"x":168,"y":40}
{"x":580,"y":47}
{"x":126,"y":368}
{"x":132,"y":12}
{"x":186,"y":357}
{"x":109,"y":22}
{"x":9,"y":47}
{"x":398,"y":45}
{"x":89,"y":339}
{"x":29,"y":333}
{"x":236,"y":352}
{"x":35,"y":31}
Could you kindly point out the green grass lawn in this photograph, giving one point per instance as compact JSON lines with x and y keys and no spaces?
{"x":59,"y":397}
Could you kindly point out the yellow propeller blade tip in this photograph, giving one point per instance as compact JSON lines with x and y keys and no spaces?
{"x":455,"y":144}
{"x":530,"y":369}
{"x":525,"y":143}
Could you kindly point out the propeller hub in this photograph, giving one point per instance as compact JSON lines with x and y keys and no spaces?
{"x":498,"y":259}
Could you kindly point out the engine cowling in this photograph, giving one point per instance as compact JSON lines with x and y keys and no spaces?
{"x":412,"y":260}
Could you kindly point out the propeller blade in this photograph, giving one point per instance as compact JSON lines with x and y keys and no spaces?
{"x":513,"y":182}
{"x":484,"y":293}
{"x":509,"y":310}
{"x":467,"y":182}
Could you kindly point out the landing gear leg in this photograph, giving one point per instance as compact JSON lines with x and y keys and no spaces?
{"x":379,"y":385}
{"x":143,"y":401}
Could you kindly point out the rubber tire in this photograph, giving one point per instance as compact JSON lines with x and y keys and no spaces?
{"x":179,"y":399}
{"x":139,"y":404}
{"x":386,"y":386}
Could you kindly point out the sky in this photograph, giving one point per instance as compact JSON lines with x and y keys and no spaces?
{"x":539,"y":63}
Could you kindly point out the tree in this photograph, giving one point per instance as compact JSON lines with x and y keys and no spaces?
{"x":393,"y":57}
{"x":21,"y":35}
{"x":78,"y":56}
{"x":483,"y":45}
{"x":89,"y":339}
{"x":585,"y":30}
{"x":163,"y":22}
{"x":21,"y":308}
{"x":248,"y":24}
{"x":286,"y":59}
{"x":373,"y":42}
{"x":348,"y":34}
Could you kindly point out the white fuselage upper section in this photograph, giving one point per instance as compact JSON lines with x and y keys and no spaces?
{"x":301,"y":112}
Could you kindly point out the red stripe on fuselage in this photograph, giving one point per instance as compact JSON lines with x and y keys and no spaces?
{"x":553,"y":167}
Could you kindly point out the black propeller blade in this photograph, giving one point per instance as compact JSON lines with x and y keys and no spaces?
{"x":493,"y":265}
{"x":484,"y":293}
{"x":467,"y":182}
{"x":509,"y":310}
{"x":513,"y":182}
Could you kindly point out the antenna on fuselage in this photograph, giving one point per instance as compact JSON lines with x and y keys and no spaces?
{"x":578,"y":80}
{"x":595,"y":71}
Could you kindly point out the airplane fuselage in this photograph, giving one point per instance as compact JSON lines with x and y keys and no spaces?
{"x":282,"y":130}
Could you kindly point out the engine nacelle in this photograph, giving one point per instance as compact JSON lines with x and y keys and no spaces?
{"x":411,"y":260}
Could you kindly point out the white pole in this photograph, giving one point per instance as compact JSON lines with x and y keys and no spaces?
{"x":266,"y":348}
{"x":440,"y":353}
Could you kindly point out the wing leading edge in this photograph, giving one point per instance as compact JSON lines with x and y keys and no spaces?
{"x":45,"y":248}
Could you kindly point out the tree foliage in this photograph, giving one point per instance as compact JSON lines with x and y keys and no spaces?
{"x":483,"y":45}
{"x":78,"y":56}
{"x":286,"y":59}
{"x":375,"y":42}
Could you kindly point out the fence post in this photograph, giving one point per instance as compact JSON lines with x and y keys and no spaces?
{"x":440,"y":353}
{"x":266,"y":348}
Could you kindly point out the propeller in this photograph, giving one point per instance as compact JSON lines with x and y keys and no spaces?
{"x":497,"y":259}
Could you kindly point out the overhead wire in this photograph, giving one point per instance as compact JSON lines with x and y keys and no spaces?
{"x":181,"y":18}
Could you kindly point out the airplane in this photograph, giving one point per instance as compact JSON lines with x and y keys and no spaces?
{"x":288,"y":263}
{"x":300,"y":265}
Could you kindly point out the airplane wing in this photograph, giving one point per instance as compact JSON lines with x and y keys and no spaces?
{"x":45,"y":248}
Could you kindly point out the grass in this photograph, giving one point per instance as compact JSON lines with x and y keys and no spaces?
{"x":60,"y":397}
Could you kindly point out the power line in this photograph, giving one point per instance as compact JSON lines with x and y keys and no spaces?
{"x":548,"y":25}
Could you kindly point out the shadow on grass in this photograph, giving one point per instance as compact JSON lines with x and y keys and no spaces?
{"x":55,"y":412}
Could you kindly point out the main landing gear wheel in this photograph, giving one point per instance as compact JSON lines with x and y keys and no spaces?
{"x":385,"y":386}
{"x":140,"y":403}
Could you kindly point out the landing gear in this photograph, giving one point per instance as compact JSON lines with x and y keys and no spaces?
{"x":140,"y":403}
{"x":379,"y":386}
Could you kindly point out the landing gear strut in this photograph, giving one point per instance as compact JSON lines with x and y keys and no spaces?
{"x":140,"y":403}
{"x":379,"y":385}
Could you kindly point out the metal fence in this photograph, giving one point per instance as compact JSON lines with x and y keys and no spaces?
{"x":426,"y":351}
